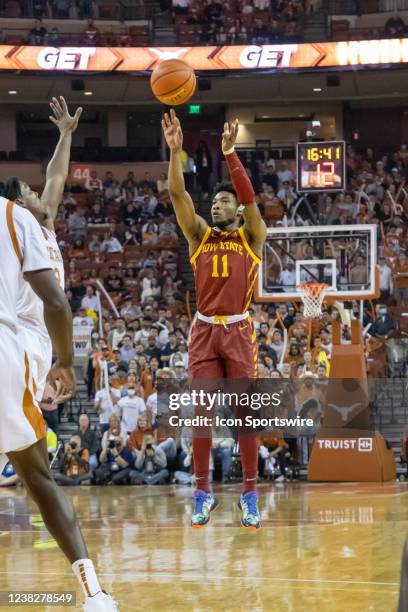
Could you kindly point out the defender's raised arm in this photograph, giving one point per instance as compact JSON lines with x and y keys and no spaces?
{"x":57,"y":169}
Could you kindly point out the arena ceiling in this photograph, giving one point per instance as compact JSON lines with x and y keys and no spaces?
{"x":387,"y":86}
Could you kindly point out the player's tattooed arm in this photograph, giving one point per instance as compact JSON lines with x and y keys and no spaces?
{"x":192,"y":225}
{"x":58,"y":167}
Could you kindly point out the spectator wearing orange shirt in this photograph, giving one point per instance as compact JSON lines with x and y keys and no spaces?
{"x":142,"y":430}
{"x":299,"y":327}
{"x":75,"y":465}
{"x":78,"y":250}
{"x":74,"y":275}
{"x":273,"y":450}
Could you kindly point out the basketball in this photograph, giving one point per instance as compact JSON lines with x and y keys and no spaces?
{"x":173,"y":82}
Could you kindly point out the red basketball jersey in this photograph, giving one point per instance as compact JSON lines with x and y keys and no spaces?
{"x":225,"y":270}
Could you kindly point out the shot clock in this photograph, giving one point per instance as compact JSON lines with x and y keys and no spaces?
{"x":321,"y":166}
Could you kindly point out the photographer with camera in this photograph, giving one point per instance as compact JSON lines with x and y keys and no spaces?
{"x":150,"y":464}
{"x":116,"y":458}
{"x":75,"y":464}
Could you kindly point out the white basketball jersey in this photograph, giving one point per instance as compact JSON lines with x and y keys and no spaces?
{"x":22,"y":249}
{"x":30,"y":310}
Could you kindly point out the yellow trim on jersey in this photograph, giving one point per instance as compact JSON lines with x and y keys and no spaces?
{"x":203,"y":241}
{"x":246,"y":245}
{"x":254,"y":263}
{"x":12,"y":231}
{"x":249,"y":292}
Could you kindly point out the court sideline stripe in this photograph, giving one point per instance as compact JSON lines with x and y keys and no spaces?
{"x":208,"y":577}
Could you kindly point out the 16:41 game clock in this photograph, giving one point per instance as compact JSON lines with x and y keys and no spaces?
{"x":321,"y":166}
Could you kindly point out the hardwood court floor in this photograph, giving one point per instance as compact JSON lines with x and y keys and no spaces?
{"x":323,"y":547}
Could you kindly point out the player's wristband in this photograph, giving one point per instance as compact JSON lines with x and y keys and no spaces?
{"x":231,"y":150}
{"x":240,"y":179}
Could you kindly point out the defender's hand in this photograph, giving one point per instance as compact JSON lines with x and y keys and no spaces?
{"x":66,"y":376}
{"x":229,"y":135}
{"x":172,"y":131}
{"x":62,"y":119}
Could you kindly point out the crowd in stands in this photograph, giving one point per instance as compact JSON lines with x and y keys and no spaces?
{"x":122,"y":237}
{"x":198,"y":22}
{"x":54,"y":9}
{"x":238,"y":22}
{"x":89,"y":35}
{"x":394,"y":26}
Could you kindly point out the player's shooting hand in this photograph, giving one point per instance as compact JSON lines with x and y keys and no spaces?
{"x":229,"y":135}
{"x":172,"y":131}
{"x":61,"y":117}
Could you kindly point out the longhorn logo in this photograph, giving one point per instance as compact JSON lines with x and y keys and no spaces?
{"x":166,"y":55}
{"x":344,"y":410}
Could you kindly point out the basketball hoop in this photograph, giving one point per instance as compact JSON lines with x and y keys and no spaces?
{"x":312,"y":295}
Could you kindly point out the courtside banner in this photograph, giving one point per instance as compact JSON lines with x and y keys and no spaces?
{"x":278,"y":57}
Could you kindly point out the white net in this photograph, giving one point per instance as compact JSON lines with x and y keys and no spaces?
{"x":312,"y":295}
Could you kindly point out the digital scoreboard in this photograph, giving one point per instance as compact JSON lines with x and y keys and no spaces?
{"x":321,"y":166}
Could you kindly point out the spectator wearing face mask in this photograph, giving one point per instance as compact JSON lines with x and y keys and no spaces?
{"x":129,"y":409}
{"x":384,"y":324}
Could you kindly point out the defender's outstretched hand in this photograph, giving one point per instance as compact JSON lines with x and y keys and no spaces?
{"x":172,"y":131}
{"x":66,"y":376}
{"x":61,"y":118}
{"x":229,"y":135}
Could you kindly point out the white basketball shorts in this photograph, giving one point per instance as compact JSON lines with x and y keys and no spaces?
{"x":21,"y":421}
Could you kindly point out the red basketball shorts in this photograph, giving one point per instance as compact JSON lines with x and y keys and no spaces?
{"x":219,"y":352}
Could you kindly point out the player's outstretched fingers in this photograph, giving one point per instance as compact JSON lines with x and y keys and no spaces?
{"x":58,"y":109}
{"x":64,"y":105}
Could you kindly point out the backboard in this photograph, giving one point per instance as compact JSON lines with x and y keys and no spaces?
{"x":343,"y":256}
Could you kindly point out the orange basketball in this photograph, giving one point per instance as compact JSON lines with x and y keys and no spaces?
{"x":173,"y":82}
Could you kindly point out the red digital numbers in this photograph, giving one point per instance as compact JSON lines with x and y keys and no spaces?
{"x":326,"y":171}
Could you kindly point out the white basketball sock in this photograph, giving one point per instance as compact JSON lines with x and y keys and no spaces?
{"x":85,"y":572}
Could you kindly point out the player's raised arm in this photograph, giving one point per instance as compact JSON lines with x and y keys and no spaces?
{"x":254,"y":225}
{"x":192,"y":225}
{"x":58,"y":167}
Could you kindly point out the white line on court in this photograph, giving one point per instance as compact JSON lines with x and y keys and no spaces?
{"x":200,"y":577}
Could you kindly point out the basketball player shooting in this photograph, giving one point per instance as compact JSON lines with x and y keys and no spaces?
{"x":43,"y":319}
{"x":225,"y":259}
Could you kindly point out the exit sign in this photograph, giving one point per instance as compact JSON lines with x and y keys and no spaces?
{"x":194,"y":109}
